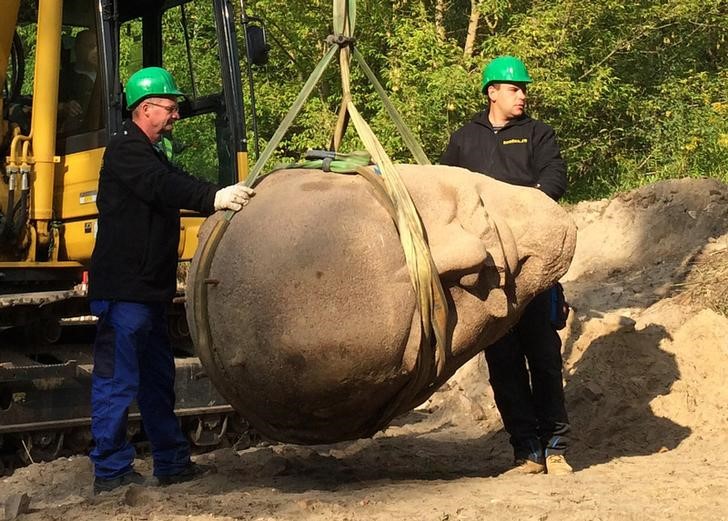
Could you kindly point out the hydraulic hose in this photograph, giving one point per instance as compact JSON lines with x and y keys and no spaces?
{"x":10,"y":207}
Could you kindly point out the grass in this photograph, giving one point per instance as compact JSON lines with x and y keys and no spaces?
{"x":707,"y":282}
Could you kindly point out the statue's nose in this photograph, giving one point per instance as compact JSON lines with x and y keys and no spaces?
{"x":464,"y":247}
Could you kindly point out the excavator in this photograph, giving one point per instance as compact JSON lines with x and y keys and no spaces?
{"x":52,"y":139}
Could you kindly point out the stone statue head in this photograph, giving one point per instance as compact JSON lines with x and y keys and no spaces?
{"x":313,"y":316}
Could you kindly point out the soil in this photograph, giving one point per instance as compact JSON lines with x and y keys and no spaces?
{"x":646,"y":366}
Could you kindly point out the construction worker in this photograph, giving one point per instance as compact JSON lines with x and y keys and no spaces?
{"x":503,"y":142}
{"x":132,"y":280}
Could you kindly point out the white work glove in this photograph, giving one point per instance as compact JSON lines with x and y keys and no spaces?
{"x":233,"y":197}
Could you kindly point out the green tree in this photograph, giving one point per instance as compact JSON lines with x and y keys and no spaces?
{"x":635,"y":90}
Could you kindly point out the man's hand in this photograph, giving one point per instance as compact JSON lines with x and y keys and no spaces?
{"x":233,"y":197}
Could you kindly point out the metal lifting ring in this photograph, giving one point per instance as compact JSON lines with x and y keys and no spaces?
{"x":341,"y":40}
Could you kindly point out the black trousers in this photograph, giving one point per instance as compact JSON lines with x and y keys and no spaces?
{"x":530,"y":398}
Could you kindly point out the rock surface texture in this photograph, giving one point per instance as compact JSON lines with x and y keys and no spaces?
{"x":312,"y":318}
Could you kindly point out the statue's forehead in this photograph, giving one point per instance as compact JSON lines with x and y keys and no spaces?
{"x":444,"y":195}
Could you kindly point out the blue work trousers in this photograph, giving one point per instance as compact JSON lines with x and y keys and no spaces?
{"x":133,"y":360}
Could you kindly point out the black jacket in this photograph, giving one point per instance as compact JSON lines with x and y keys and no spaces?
{"x":139,"y":198}
{"x":524,"y":152}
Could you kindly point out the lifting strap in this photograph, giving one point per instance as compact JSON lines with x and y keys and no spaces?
{"x":330,"y":161}
{"x":394,"y":196}
{"x":342,"y":40}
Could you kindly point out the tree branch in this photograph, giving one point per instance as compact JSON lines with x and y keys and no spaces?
{"x":473,"y":21}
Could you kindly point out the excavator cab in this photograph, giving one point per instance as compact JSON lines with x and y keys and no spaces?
{"x":63,"y":65}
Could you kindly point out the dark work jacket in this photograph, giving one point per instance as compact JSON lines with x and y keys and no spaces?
{"x":139,"y":198}
{"x":524,"y":152}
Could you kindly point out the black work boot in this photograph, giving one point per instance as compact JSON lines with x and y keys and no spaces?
{"x":189,"y":473}
{"x":107,"y":485}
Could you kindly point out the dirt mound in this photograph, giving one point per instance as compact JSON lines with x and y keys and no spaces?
{"x":647,"y":349}
{"x":658,"y":223}
{"x":646,"y":357}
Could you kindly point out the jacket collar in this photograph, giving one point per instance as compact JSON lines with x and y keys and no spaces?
{"x":132,"y":128}
{"x":481,"y":118}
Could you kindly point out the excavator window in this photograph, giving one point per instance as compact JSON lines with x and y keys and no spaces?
{"x":21,"y":78}
{"x":80,"y":96}
{"x":190,"y":52}
{"x":96,"y":60}
{"x":79,"y":92}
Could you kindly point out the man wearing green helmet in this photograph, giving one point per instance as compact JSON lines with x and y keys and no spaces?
{"x":132,"y":279}
{"x":525,"y":365}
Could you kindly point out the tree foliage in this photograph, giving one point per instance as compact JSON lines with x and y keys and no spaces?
{"x":635,"y":90}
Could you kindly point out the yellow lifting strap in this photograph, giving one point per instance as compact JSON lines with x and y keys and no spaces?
{"x":431,"y":301}
{"x":392,"y":193}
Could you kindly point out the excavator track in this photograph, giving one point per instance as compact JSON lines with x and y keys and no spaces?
{"x":45,"y":383}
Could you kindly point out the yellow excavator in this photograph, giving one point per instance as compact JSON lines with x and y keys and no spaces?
{"x":62,"y":66}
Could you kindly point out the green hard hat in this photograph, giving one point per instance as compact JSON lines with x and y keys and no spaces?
{"x":150,"y":81}
{"x":506,"y":69}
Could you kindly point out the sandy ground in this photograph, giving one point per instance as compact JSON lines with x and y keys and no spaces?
{"x":646,"y":363}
